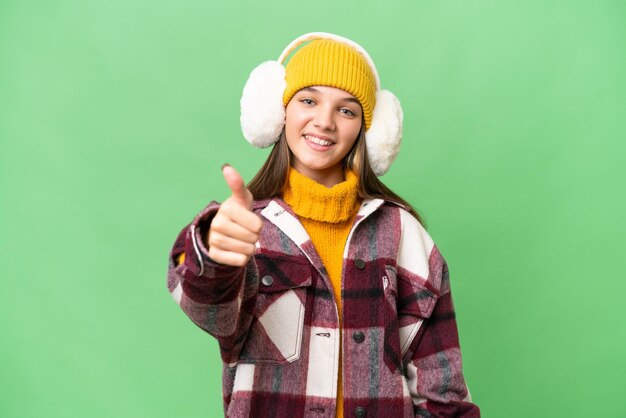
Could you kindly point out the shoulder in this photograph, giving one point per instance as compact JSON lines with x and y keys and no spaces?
{"x":259,"y":205}
{"x":410,"y":227}
{"x":413,"y":232}
{"x":418,"y":255}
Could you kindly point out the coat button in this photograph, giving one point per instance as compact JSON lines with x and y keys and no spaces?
{"x":358,"y":336}
{"x":360,"y":264}
{"x":359,"y":412}
{"x":267,"y":280}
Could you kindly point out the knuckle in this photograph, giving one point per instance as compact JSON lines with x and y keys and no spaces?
{"x":254,"y":224}
{"x":250,"y":238}
{"x":259,"y":225}
{"x":217,"y":223}
{"x":243,"y":259}
{"x":214,"y":254}
{"x":249,"y":250}
{"x":227,"y":206}
{"x":216,"y":240}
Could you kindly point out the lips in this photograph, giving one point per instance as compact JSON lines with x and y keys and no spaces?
{"x":318,"y":141}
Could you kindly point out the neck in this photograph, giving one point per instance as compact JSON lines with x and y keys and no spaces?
{"x":326,"y":177}
{"x":315,"y":201}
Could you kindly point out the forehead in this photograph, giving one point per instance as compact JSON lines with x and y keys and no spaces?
{"x":330,"y":92}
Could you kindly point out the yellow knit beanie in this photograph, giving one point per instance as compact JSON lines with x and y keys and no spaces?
{"x":327,"y":62}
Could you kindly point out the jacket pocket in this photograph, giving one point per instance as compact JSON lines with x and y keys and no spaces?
{"x":407,"y":305}
{"x":275,"y":334}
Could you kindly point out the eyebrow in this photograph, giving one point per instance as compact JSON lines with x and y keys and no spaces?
{"x":344,"y":99}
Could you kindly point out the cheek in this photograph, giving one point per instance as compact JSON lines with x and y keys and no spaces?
{"x":292,"y":130}
{"x":353,"y":131}
{"x":356,"y":130}
{"x":295,"y":119}
{"x":291,"y":120}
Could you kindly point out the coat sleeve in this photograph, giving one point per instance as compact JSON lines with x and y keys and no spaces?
{"x":432,"y":362}
{"x":217,"y":298}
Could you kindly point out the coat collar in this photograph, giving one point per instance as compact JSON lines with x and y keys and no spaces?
{"x":282,"y":216}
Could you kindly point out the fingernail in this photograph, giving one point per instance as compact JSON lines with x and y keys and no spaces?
{"x":225,"y":165}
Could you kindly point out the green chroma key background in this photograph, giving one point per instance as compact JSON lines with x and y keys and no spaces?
{"x":115,"y":117}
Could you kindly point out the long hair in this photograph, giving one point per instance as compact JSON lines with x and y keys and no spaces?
{"x":271,"y":178}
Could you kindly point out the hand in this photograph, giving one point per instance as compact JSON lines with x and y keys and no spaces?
{"x":235,"y":228}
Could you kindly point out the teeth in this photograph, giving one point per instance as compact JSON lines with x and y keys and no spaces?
{"x":318,"y":141}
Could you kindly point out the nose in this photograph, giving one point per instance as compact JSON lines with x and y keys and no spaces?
{"x":324,"y":118}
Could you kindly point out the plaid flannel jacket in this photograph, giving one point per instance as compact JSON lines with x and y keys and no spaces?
{"x":277,"y":326}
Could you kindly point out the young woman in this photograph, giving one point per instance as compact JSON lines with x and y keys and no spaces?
{"x":326,"y":294}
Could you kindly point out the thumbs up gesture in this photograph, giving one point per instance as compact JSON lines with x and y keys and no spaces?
{"x":235,"y":229}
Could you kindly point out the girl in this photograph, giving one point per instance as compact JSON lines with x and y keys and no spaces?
{"x":327,"y":296}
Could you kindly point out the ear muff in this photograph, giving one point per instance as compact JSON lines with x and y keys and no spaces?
{"x":262,"y":110}
{"x":385,"y":134}
{"x":263,"y":113}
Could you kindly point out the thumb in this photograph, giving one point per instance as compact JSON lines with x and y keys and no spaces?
{"x":237,"y":186}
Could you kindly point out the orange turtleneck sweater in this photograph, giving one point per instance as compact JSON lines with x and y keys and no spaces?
{"x":327,"y":214}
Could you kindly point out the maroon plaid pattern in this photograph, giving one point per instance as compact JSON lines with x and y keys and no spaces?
{"x":277,"y":326}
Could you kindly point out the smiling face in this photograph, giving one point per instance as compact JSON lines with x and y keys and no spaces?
{"x":321,"y":126}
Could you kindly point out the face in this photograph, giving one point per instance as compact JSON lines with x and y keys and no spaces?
{"x":321,"y":126}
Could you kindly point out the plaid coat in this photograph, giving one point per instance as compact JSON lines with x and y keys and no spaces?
{"x":277,"y":324}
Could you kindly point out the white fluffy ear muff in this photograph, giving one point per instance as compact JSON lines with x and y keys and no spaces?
{"x":262,"y":110}
{"x":385,"y":133}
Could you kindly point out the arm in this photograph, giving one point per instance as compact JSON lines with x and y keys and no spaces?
{"x":216,"y":297}
{"x":432,"y":363}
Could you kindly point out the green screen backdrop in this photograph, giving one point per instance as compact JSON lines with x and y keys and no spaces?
{"x":115,"y":117}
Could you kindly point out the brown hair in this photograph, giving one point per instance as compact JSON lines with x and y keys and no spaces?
{"x":271,"y":178}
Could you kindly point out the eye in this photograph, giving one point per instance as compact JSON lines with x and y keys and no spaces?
{"x":347,"y":111}
{"x":307,"y":101}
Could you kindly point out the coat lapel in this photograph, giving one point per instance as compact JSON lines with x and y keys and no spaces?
{"x":368,"y":207}
{"x":281,"y":215}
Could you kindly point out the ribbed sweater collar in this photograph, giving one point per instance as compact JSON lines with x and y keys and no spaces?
{"x":312,"y":200}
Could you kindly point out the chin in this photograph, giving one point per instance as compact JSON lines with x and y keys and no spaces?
{"x":321,"y":168}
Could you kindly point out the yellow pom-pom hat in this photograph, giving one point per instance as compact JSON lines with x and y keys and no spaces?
{"x":326,"y":60}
